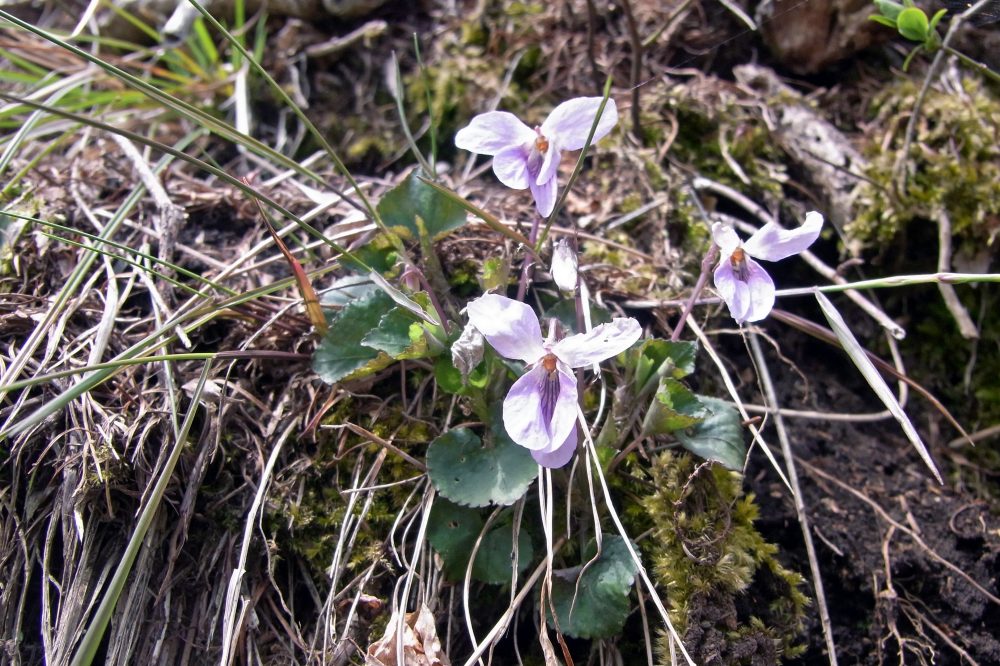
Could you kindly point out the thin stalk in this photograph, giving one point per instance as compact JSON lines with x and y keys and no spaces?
{"x":432,"y":130}
{"x":139,"y":360}
{"x":972,"y":64}
{"x":397,"y":94}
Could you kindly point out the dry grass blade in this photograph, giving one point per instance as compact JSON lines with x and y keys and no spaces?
{"x":860,"y":358}
{"x":95,"y":629}
{"x":800,"y":507}
{"x":309,"y":297}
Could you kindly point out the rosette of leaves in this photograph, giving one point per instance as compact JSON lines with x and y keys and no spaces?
{"x":367,"y":335}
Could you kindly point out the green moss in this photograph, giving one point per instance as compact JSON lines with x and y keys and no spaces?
{"x":714,"y":126}
{"x":724,"y":584}
{"x":307,"y":515}
{"x":953,"y":160}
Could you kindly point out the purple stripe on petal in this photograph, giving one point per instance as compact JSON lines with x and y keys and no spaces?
{"x":599,"y":344}
{"x":564,"y":415}
{"x":773,"y":243}
{"x":761,"y":291}
{"x":732,"y":290}
{"x":522,"y":415}
{"x":510,"y":326}
{"x":489,"y":133}
{"x":559,"y":456}
{"x":550,"y":164}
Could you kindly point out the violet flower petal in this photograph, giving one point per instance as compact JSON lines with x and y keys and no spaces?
{"x":570,"y":122}
{"x":489,"y":133}
{"x":523,"y":417}
{"x":600,"y":343}
{"x":550,"y":164}
{"x":733,"y":291}
{"x":566,"y":408}
{"x":761,"y":291}
{"x":726,"y":239}
{"x":773,"y":243}
{"x":511,"y":167}
{"x":545,"y":196}
{"x":559,"y":456}
{"x":509,"y":326}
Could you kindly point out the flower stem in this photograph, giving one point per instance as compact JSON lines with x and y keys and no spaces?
{"x":706,"y":268}
{"x":532,"y":251}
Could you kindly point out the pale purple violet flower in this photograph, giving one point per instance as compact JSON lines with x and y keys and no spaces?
{"x":529,"y":158}
{"x":540,"y":410}
{"x":743,"y":283}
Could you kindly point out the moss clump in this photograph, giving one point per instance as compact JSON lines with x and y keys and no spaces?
{"x":954,"y":166}
{"x":730,"y":598}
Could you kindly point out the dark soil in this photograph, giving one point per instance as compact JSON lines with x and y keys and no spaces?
{"x":910,"y":568}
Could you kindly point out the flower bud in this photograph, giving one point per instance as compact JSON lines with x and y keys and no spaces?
{"x":564,"y":266}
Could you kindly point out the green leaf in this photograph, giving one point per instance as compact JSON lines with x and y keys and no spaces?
{"x":398,"y":335}
{"x":598,"y":606}
{"x":452,"y":530}
{"x":937,"y":19}
{"x":663,"y":358}
{"x":912,"y":23}
{"x":883,"y":20}
{"x":673,"y":407}
{"x":341,"y":352}
{"x":414,"y":198}
{"x":449,"y":378}
{"x":890,"y":10}
{"x":719,"y":437}
{"x":347,"y":289}
{"x":493,"y":560}
{"x":471,"y":472}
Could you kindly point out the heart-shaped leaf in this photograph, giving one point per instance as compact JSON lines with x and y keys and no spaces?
{"x":471,"y":472}
{"x":452,"y":530}
{"x":596,"y":603}
{"x":413,"y":198}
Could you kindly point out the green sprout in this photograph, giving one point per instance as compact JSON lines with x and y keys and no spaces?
{"x":912,"y":23}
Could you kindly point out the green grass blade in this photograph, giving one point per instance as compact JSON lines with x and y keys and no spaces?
{"x":205,"y":166}
{"x":186,"y":109}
